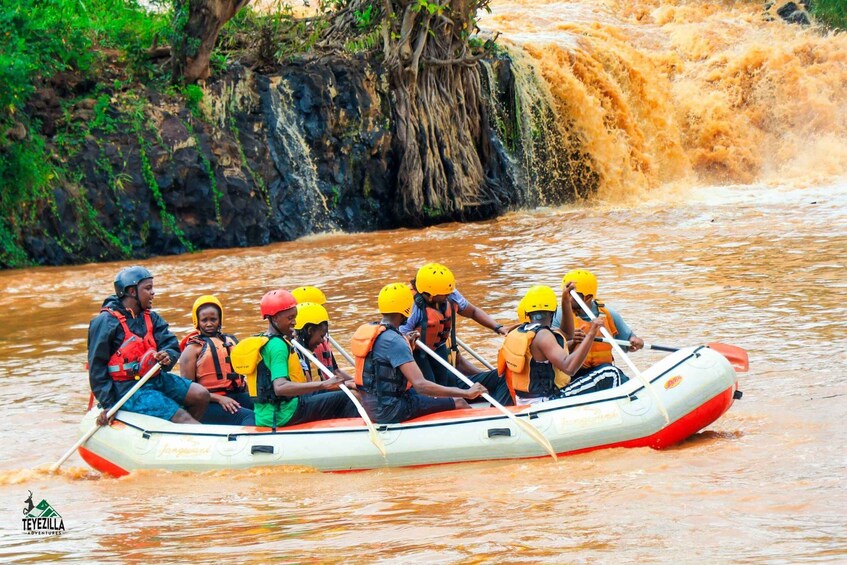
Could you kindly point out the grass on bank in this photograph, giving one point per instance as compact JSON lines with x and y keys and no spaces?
{"x":832,"y":13}
{"x":94,"y":49}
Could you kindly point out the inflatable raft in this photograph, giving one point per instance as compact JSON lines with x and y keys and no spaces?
{"x":696,"y":386}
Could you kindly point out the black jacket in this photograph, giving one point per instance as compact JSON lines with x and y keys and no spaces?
{"x":105,"y":336}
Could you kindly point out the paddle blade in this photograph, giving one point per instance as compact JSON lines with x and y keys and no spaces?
{"x":538,"y":437}
{"x":736,"y":356}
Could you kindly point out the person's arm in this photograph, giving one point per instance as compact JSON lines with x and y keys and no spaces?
{"x":559,"y":358}
{"x":482,"y":318}
{"x":413,"y":374}
{"x":566,"y":324}
{"x":284,"y":387}
{"x":166,"y":342}
{"x":188,"y":361}
{"x":101,"y":332}
{"x":412,"y":322}
{"x":625,"y":332}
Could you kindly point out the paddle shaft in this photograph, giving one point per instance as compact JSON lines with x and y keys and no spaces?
{"x":341,"y":350}
{"x":626,"y":358}
{"x":112,"y":411}
{"x":474,"y":354}
{"x":359,"y":408}
{"x":529,"y":428}
{"x":624,"y":343}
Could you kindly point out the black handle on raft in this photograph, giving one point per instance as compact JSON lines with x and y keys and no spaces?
{"x":495,"y":432}
{"x":261,"y":449}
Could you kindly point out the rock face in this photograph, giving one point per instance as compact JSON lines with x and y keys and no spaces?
{"x":261,"y":158}
{"x":791,"y":12}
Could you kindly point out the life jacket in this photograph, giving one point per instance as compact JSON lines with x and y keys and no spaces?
{"x":375,"y":377}
{"x":323,"y":352}
{"x":214,"y":365}
{"x":264,"y":386}
{"x":524,"y":375}
{"x":125,"y":363}
{"x":436,"y":327}
{"x":600,"y":352}
{"x":311,"y":373}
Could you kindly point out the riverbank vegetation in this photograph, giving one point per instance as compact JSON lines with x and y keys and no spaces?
{"x":832,"y":13}
{"x":72,"y":69}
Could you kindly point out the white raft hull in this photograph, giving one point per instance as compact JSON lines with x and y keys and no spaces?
{"x":695,"y":385}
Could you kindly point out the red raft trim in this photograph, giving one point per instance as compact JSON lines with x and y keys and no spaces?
{"x":101,"y":464}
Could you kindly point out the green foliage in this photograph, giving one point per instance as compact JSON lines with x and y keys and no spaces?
{"x":363,"y":43}
{"x":39,"y":40}
{"x":832,"y":13}
{"x":364,"y":18}
{"x":193,"y":96}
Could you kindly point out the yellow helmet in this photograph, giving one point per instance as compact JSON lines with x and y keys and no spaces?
{"x":435,"y":279}
{"x":309,"y":294}
{"x":522,"y":317}
{"x":202,"y":301}
{"x":540,"y":298}
{"x":585,"y":281}
{"x":310,"y":313}
{"x":396,"y":298}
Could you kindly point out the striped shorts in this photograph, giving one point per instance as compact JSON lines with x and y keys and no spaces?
{"x":602,"y":377}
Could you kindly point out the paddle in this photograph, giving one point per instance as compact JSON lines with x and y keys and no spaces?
{"x":474,"y":354}
{"x":359,"y":408}
{"x":737,"y":356}
{"x":528,"y":428}
{"x":341,"y":350}
{"x":112,"y":411}
{"x":626,"y":358}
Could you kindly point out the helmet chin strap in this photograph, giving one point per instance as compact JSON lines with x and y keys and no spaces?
{"x":273,"y":324}
{"x":134,"y":297}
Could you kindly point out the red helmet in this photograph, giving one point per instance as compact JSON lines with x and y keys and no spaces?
{"x":275,"y":301}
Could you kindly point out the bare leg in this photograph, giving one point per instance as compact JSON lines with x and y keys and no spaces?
{"x":196,"y":401}
{"x":183,"y":417}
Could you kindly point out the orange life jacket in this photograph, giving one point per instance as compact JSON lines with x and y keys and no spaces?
{"x":437,"y":326}
{"x":600,"y":352}
{"x":524,"y":375}
{"x":375,"y":377}
{"x":214,"y":367}
{"x":125,"y":363}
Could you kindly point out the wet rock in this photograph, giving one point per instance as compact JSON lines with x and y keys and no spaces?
{"x":306,"y":149}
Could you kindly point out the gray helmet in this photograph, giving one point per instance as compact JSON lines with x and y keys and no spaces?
{"x":128,"y":277}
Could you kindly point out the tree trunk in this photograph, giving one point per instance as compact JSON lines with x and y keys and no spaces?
{"x":197,"y":24}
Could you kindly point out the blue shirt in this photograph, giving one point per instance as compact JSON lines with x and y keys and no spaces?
{"x":392,"y":348}
{"x":415,"y":317}
{"x":624,"y":331}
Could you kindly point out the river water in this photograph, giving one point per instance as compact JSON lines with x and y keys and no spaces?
{"x":761,"y":264}
{"x":761,"y":268}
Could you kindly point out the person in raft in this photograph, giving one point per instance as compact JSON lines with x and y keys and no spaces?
{"x":323,"y":350}
{"x":534,"y":358}
{"x":206,"y":359}
{"x":598,"y":372}
{"x":386,"y":370}
{"x":125,"y":340}
{"x":312,"y":327}
{"x":433,"y":321}
{"x":283,"y":396}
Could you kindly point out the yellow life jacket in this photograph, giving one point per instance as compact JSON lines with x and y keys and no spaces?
{"x":524,"y":375}
{"x":600,"y":352}
{"x":245,"y":357}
